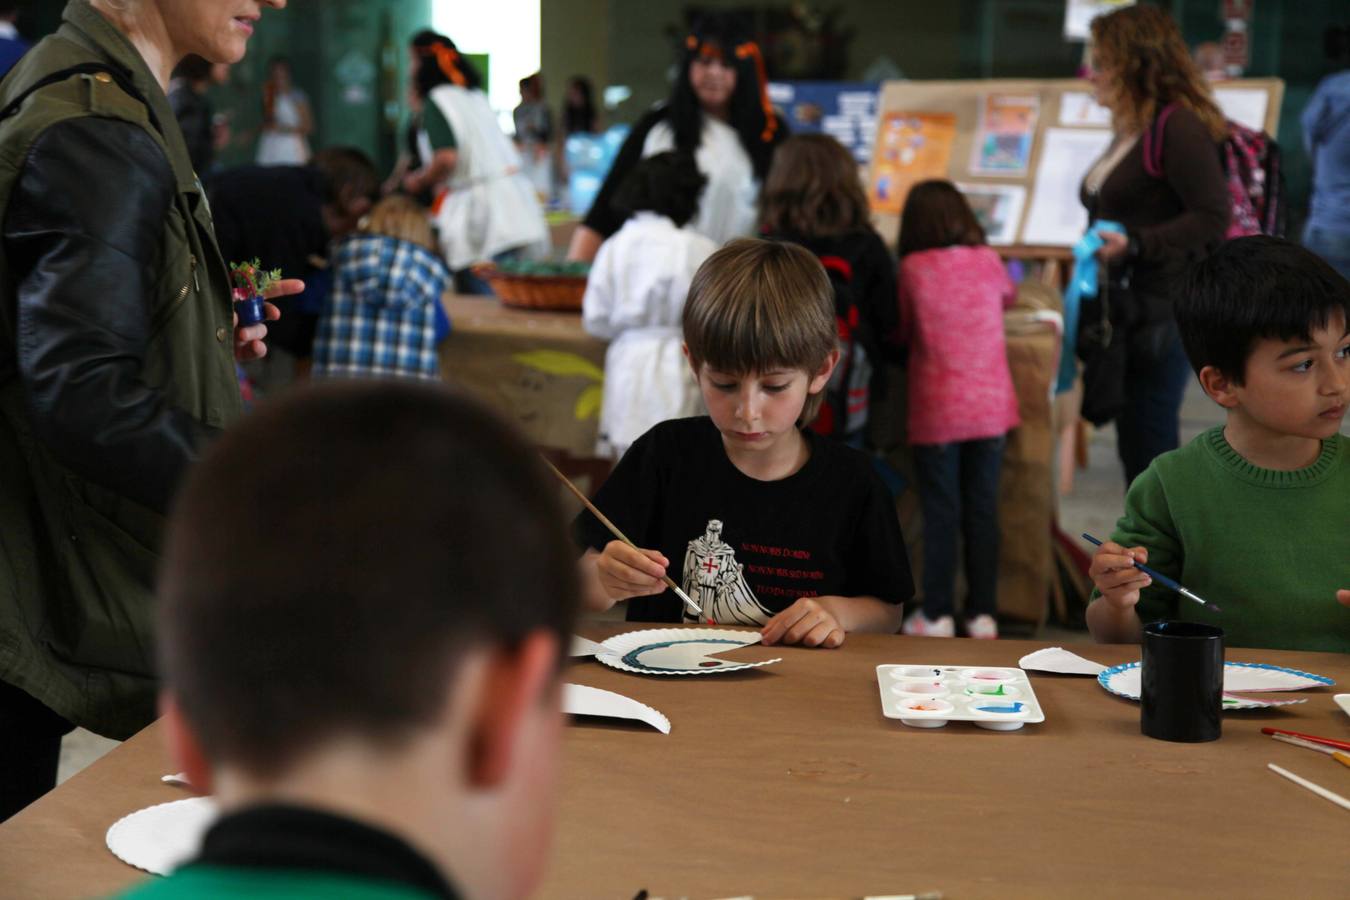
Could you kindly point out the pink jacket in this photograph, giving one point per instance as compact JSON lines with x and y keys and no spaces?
{"x":951,"y":316}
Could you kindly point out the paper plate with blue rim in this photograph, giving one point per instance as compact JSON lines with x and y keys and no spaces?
{"x":1238,"y":679}
{"x":679,"y":651}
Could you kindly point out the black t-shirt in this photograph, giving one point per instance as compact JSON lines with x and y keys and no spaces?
{"x":745,"y":549}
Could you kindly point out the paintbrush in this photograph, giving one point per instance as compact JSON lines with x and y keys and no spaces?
{"x":614,"y":530}
{"x":1162,"y":579}
{"x":1340,"y":756}
{"x":1312,"y":738}
{"x":1315,"y":788}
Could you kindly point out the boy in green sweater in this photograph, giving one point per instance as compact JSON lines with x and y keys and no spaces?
{"x":362,"y":612}
{"x":1253,"y":515}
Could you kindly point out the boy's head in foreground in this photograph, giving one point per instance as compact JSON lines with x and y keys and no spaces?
{"x":1266,"y":326}
{"x":365,"y":593}
{"x":760,"y":334}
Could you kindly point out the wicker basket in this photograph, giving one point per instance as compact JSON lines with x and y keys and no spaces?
{"x":556,"y":292}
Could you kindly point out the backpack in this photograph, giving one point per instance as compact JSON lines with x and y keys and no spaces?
{"x":844,"y":412}
{"x":1252,"y":167}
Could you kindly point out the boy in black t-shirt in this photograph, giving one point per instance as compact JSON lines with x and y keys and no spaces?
{"x":768,"y":524}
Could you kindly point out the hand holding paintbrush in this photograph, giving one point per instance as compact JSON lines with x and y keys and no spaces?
{"x":1120,"y":574}
{"x":641,"y":555}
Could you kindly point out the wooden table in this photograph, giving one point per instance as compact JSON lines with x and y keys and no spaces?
{"x":788,"y":782}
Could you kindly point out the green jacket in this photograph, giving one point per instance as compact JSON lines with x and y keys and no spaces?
{"x":78,"y":548}
{"x":200,"y":882}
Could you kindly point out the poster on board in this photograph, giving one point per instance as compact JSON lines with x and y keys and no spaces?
{"x":997,"y":207}
{"x":1004,"y":134}
{"x":911,"y":147}
{"x":845,"y":110}
{"x":1057,"y":217}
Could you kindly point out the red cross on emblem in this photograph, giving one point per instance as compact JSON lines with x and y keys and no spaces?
{"x":710,"y":565}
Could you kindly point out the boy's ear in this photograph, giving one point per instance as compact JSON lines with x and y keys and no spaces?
{"x":185,"y":749}
{"x":517,"y":685}
{"x":822,"y":376}
{"x":1220,"y":388}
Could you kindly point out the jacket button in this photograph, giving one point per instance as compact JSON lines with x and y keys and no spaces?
{"x":222,"y":333}
{"x":103,"y":78}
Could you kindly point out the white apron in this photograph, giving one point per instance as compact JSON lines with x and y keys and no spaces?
{"x":491,"y":206}
{"x":635,"y":299}
{"x":728,"y":207}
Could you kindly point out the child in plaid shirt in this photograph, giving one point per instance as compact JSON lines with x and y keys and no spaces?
{"x":384,"y":316}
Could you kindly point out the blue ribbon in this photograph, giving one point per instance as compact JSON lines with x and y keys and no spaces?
{"x":1083,"y":283}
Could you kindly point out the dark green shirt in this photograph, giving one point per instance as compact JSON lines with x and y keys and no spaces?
{"x":437,"y":127}
{"x":1270,"y":548}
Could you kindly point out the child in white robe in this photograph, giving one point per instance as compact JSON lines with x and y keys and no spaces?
{"x":635,"y":299}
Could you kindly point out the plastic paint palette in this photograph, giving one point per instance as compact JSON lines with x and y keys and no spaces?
{"x":931,"y":696}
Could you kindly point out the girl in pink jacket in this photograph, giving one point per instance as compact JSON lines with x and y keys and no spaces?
{"x":953,"y":291}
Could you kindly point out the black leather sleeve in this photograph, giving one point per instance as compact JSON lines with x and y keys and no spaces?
{"x":83,"y":232}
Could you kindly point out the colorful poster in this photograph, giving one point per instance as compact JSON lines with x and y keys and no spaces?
{"x":845,"y":110}
{"x":1003,"y":137}
{"x":911,"y":147}
{"x":998,"y":207}
{"x":1078,"y":109}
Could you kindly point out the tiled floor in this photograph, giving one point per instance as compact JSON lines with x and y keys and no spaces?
{"x":1093,"y":506}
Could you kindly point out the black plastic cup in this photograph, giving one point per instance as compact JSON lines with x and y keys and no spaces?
{"x":1181,"y":689}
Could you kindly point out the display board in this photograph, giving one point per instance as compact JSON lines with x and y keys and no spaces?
{"x":1018,"y":149}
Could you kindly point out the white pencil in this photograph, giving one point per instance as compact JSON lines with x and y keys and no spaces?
{"x":1316,"y":789}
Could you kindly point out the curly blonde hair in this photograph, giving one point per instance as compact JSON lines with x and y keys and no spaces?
{"x":1142,"y":48}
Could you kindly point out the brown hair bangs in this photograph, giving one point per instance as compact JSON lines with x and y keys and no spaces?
{"x":757,"y":306}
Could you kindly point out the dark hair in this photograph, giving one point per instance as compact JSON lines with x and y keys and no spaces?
{"x":334,"y":557}
{"x":442,"y":63}
{"x":760,"y":129}
{"x":756,"y":306}
{"x":668,"y":184}
{"x":937,"y":215}
{"x":813,"y":190}
{"x":346,"y":169}
{"x":1252,"y":288}
{"x":579,"y":116}
{"x":193,"y":68}
{"x":9,"y":7}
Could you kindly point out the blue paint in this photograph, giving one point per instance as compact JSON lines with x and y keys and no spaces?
{"x":1015,"y":707}
{"x":631,"y":657}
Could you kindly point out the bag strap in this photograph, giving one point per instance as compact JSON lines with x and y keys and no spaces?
{"x":1153,"y":142}
{"x":92,"y":68}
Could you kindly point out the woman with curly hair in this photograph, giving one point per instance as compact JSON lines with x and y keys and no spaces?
{"x":718,"y":111}
{"x":1141,"y":70}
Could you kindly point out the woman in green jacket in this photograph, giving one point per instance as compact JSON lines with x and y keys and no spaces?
{"x":117,"y":361}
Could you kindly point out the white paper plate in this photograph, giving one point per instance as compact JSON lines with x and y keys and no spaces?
{"x":160,"y":838}
{"x":678,"y":651}
{"x":584,"y":700}
{"x":1123,"y":681}
{"x":1343,"y":701}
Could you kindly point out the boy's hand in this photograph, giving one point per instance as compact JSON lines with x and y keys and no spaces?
{"x":1115,"y":576}
{"x":248,"y":341}
{"x":625,"y":572}
{"x":1343,"y":597}
{"x":807,"y":622}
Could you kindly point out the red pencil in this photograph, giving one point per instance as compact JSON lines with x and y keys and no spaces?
{"x":1326,"y":742}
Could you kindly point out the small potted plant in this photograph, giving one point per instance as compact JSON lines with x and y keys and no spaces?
{"x":250,"y":282}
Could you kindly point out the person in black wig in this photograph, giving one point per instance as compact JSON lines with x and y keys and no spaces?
{"x":719,"y":111}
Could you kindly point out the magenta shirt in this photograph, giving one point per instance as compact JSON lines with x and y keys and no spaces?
{"x":951,"y":316}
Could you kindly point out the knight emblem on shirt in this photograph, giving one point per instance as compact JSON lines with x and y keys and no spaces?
{"x":716,"y":582}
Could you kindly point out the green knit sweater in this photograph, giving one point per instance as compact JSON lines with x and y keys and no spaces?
{"x":197,"y":882}
{"x":1270,"y":548}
